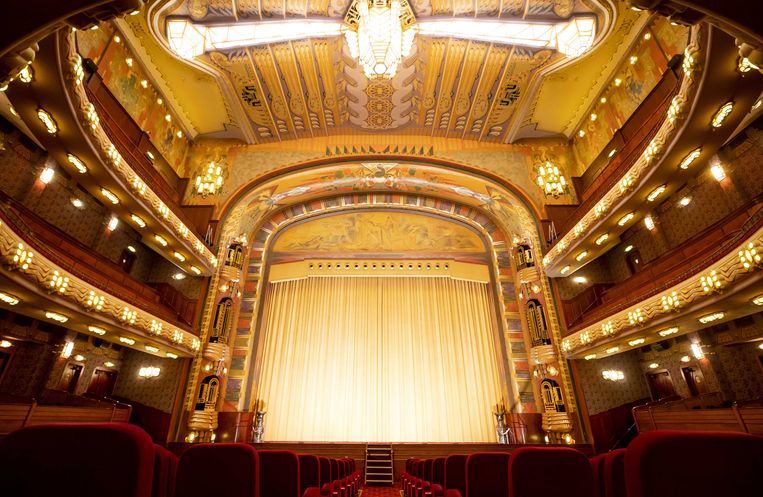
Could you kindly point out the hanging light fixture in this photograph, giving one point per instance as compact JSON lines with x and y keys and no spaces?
{"x":551,"y":180}
{"x":211,"y":181}
{"x":379,"y":35}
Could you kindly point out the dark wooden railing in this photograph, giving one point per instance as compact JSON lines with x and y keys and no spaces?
{"x":630,"y":141}
{"x":669,"y":269}
{"x":17,"y":415}
{"x":692,"y":414}
{"x":580,"y":304}
{"x":85,"y":263}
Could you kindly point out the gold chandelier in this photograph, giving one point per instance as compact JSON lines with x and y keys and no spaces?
{"x":550,"y":180}
{"x":380,"y":34}
{"x":211,"y":181}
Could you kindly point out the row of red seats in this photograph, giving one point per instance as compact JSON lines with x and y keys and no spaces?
{"x":120,"y":460}
{"x":656,"y":464}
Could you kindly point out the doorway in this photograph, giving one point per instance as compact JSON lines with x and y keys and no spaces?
{"x":70,"y":378}
{"x":661,"y":385}
{"x":695,"y":380}
{"x":634,"y":261}
{"x":102,"y":383}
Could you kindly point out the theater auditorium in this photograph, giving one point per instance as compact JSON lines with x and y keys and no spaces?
{"x":381,"y":248}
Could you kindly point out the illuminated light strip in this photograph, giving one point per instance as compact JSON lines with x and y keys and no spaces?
{"x":722,"y":114}
{"x":691,"y":157}
{"x":656,"y":193}
{"x":624,"y":220}
{"x":74,"y":161}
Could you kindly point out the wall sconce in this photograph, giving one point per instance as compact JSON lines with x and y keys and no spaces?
{"x":210,"y":182}
{"x":149,"y":372}
{"x":5,"y":344}
{"x":79,"y":357}
{"x":613,"y":375}
{"x":67,"y":350}
{"x":551,"y":180}
{"x":696,"y":350}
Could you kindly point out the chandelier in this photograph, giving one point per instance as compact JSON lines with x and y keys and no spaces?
{"x":550,"y":180}
{"x":379,"y":35}
{"x":211,"y":181}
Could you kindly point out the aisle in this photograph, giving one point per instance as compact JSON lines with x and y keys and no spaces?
{"x":372,"y":491}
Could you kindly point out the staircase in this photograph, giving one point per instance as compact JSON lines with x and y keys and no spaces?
{"x":379,"y":465}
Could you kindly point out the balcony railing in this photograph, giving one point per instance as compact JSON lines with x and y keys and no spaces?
{"x":90,"y":266}
{"x":691,"y":257}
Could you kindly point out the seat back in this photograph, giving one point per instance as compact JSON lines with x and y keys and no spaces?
{"x":700,"y":464}
{"x":438,"y":471}
{"x":165,"y":468}
{"x":487,"y":474}
{"x":335,"y":475}
{"x":614,"y":474}
{"x":279,"y":473}
{"x":82,"y":460}
{"x":222,"y":470}
{"x":597,"y":466}
{"x":309,"y":473}
{"x":326,"y":476}
{"x":428,"y":470}
{"x":535,"y":471}
{"x":455,"y":473}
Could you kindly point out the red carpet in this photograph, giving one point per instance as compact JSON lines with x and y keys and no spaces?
{"x":370,"y":491}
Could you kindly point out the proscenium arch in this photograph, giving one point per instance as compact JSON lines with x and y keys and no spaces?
{"x":497,"y":298}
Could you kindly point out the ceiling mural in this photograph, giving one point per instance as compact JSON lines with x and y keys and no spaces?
{"x":446,"y":86}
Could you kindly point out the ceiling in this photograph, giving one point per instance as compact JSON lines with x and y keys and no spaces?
{"x":446,"y":88}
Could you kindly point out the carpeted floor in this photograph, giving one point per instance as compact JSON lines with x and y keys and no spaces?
{"x":371,"y":491}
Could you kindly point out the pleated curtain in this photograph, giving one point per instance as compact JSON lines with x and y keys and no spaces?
{"x":394,"y":359}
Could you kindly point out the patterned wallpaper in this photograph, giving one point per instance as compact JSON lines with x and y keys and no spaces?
{"x":742,"y":369}
{"x":94,"y":357}
{"x":28,"y":369}
{"x":156,"y":392}
{"x":600,"y":394}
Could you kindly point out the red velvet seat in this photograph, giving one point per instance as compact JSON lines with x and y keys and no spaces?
{"x":438,"y":472}
{"x":279,"y":473}
{"x":77,"y":460}
{"x":222,"y":470}
{"x":487,"y":474}
{"x":334,"y":469}
{"x":309,"y":473}
{"x":597,"y":466}
{"x":165,"y":469}
{"x":614,"y":474}
{"x":326,"y":475}
{"x":696,"y":464}
{"x":561,"y":471}
{"x":455,"y":476}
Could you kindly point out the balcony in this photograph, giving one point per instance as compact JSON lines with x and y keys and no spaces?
{"x":81,"y":261}
{"x":691,"y":257}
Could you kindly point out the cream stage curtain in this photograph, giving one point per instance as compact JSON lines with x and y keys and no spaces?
{"x":393,"y":359}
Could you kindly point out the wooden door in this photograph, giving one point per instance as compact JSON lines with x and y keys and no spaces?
{"x":102,"y":383}
{"x":70,"y":378}
{"x":661,"y":385}
{"x":695,"y":380}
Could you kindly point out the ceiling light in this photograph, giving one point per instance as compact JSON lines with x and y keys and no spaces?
{"x":685,"y":358}
{"x":108,"y":364}
{"x":649,"y":222}
{"x":589,"y":357}
{"x":179,"y":134}
{"x":13,"y":109}
{"x":171,"y":355}
{"x":77,"y":203}
{"x":67,"y":349}
{"x":603,"y":100}
{"x":654,"y":365}
{"x":110,"y":196}
{"x":579,"y":279}
{"x":160,"y":240}
{"x":113,"y":223}
{"x":97,"y":330}
{"x":117,"y":39}
{"x":709,"y":318}
{"x":637,"y":341}
{"x":603,"y":238}
{"x":624,"y":220}
{"x":760,"y":346}
{"x":718,"y":173}
{"x":195,"y":270}
{"x":128,"y":341}
{"x":144,"y":83}
{"x":25,"y":75}
{"x":691,"y":157}
{"x":618,"y":81}
{"x":581,"y":133}
{"x":633,"y":59}
{"x":79,"y":357}
{"x":56,"y":316}
{"x":74,"y":161}
{"x":129,"y":61}
{"x":160,"y":102}
{"x":582,"y":255}
{"x":647,"y":36}
{"x":178,"y":276}
{"x":722,"y":114}
{"x":167,"y":117}
{"x":757,"y":300}
{"x":210,"y":182}
{"x":612,"y":153}
{"x":668,"y":331}
{"x":46,"y":176}
{"x":131,"y":248}
{"x":685,"y":201}
{"x":656,"y":193}
{"x":135,"y":12}
{"x":551,"y":181}
{"x":151,"y":348}
{"x":47,"y":121}
{"x":179,"y":256}
{"x":5,"y":344}
{"x":628,"y":248}
{"x":757,"y":104}
{"x":593,"y":116}
{"x":138,"y":220}
{"x":9,"y":299}
{"x":150,"y":154}
{"x":612,"y":350}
